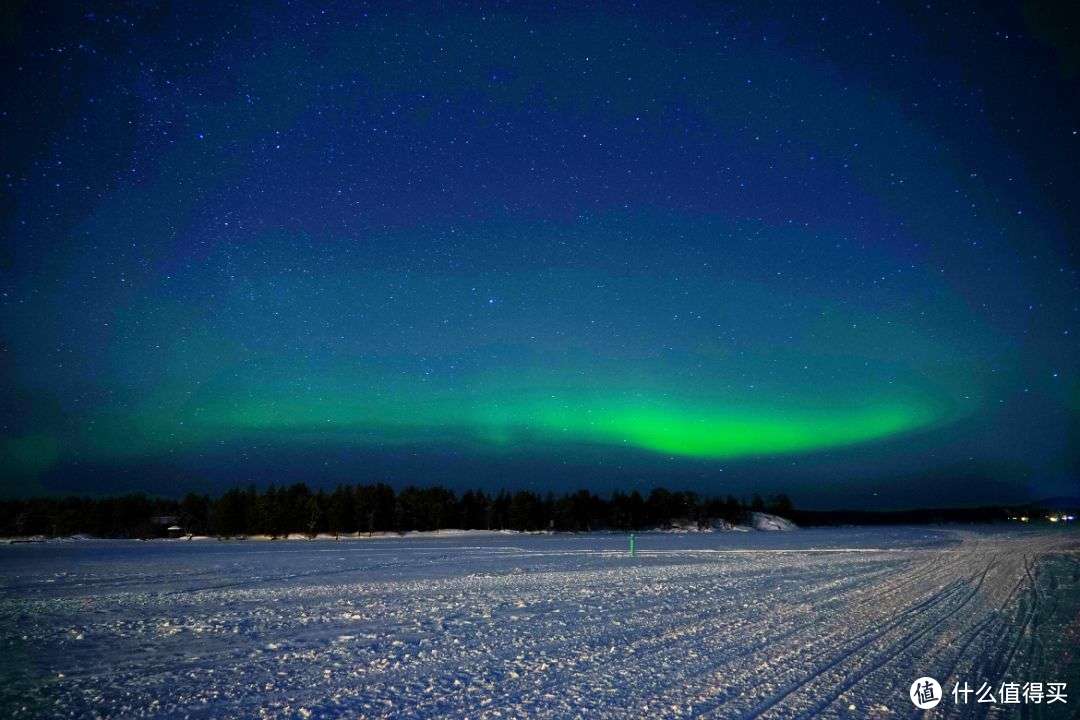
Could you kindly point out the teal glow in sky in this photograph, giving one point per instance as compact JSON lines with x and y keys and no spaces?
{"x":756,"y":248}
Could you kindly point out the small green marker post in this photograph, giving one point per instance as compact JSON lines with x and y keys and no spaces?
{"x":632,"y":549}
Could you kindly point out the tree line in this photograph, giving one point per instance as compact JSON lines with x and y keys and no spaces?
{"x":368,"y":509}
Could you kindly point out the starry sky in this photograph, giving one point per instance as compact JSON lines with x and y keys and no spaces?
{"x":821,"y":248}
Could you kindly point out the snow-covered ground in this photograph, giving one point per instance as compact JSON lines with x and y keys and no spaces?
{"x":829,"y":623}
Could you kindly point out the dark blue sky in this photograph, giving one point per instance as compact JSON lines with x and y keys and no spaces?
{"x":822,"y":248}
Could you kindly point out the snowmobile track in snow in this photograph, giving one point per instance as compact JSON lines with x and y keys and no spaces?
{"x":818,"y":623}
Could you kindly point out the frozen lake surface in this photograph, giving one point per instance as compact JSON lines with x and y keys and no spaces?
{"x":816,"y":623}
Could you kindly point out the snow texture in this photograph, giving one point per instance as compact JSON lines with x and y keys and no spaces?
{"x":816,"y":623}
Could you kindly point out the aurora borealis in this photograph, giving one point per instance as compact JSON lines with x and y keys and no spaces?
{"x":829,"y":250}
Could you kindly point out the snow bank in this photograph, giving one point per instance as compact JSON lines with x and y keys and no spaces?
{"x":771,"y":523}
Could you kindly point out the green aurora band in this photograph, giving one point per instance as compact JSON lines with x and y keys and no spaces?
{"x":554,"y":413}
{"x":659,"y":426}
{"x":558,"y":426}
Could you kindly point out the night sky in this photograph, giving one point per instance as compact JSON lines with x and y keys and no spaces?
{"x":829,"y":249}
